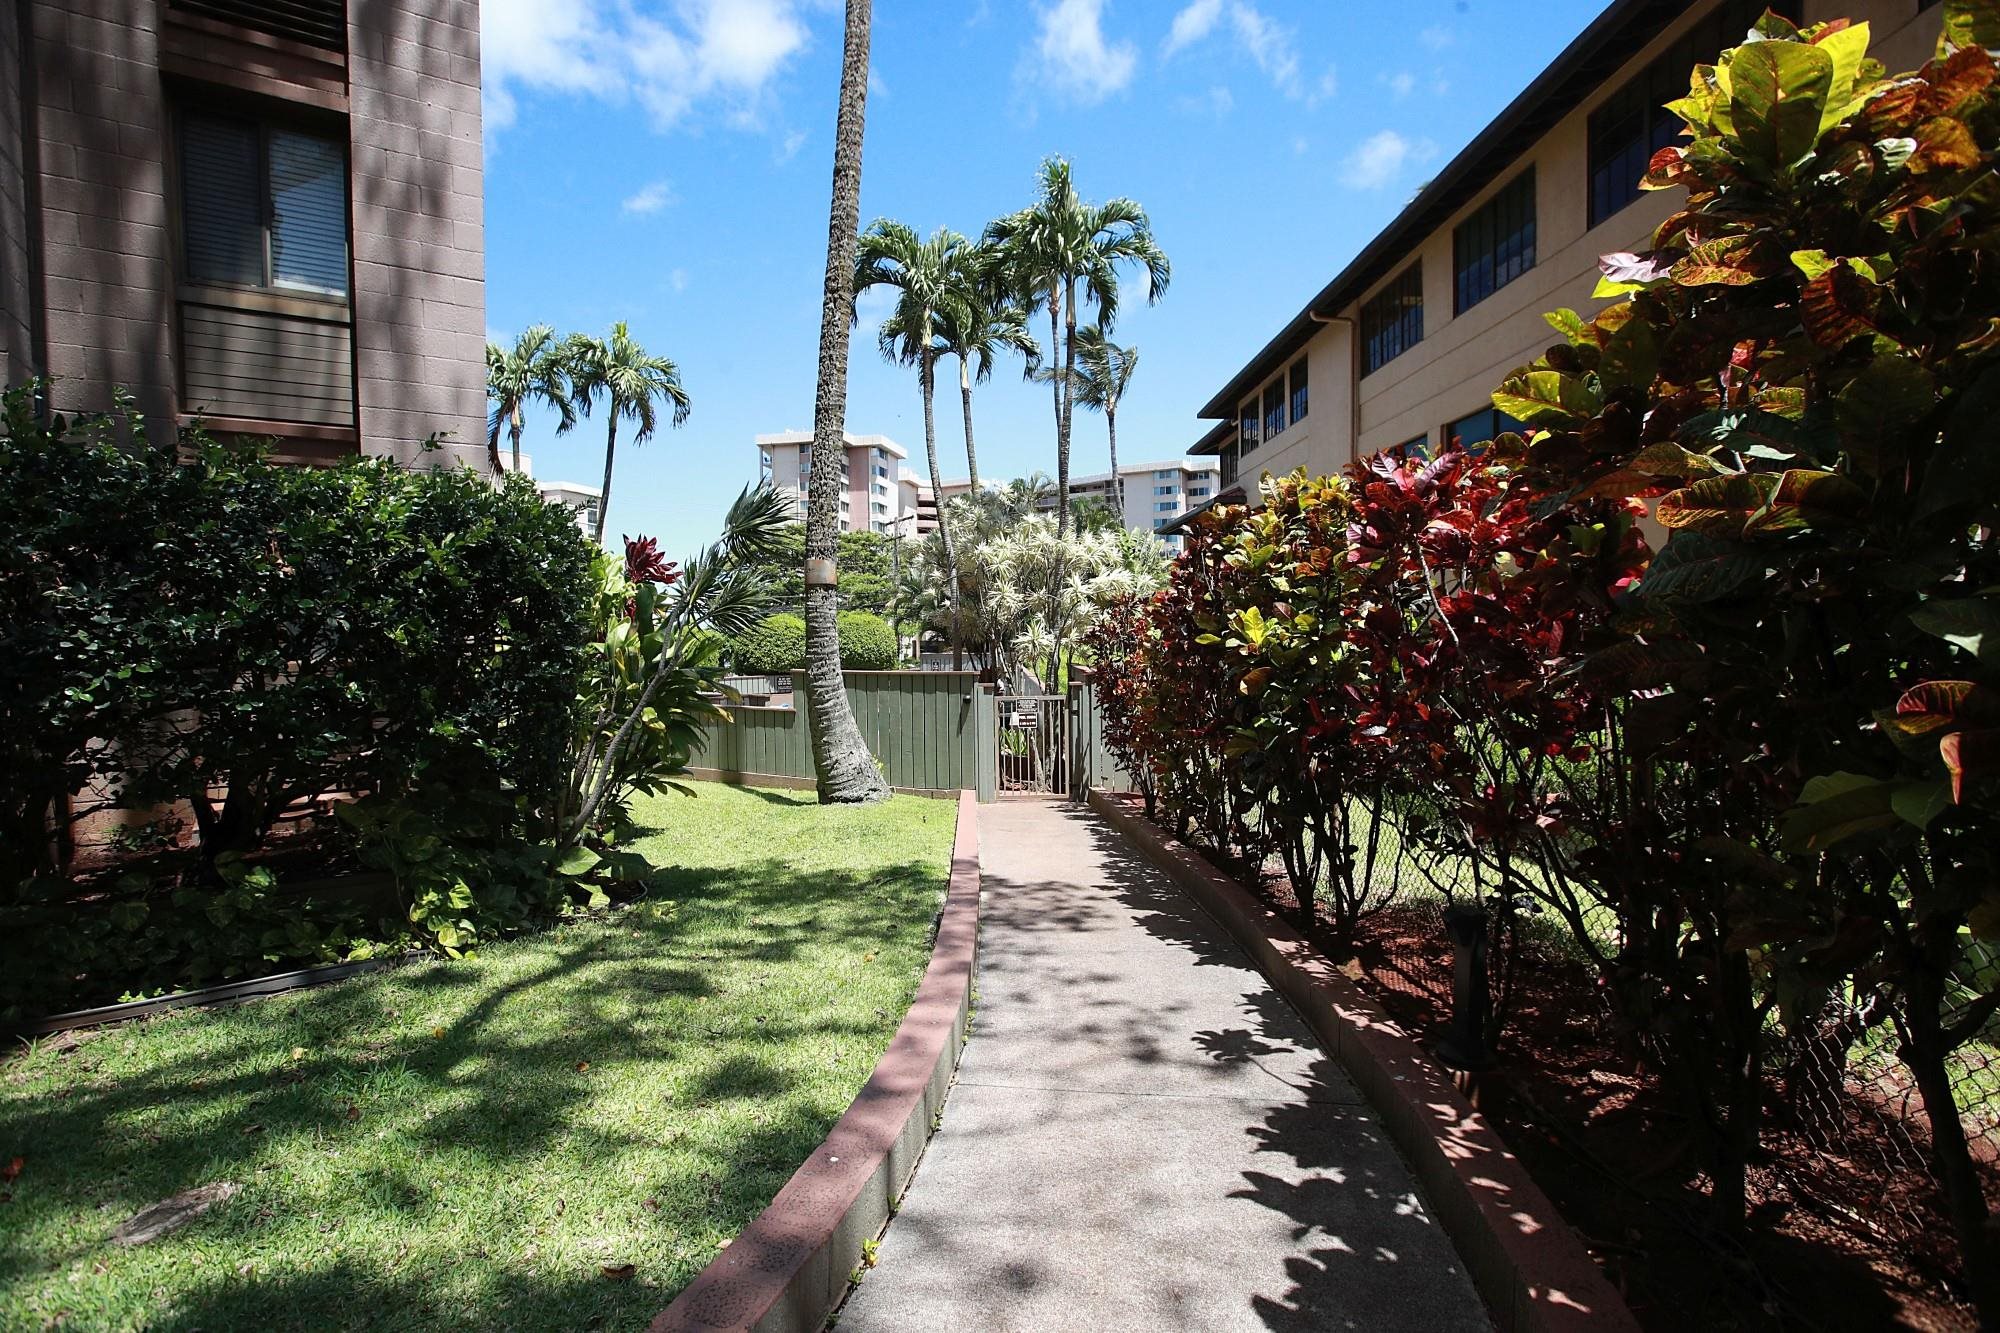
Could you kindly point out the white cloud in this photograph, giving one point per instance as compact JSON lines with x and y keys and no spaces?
{"x":678,"y":279}
{"x":1400,"y":83}
{"x":1328,"y":86}
{"x":1218,"y":101}
{"x":1381,"y":158}
{"x":650,"y":199}
{"x":1437,"y":37}
{"x":789,"y":148}
{"x":670,"y":59}
{"x":1191,"y":25}
{"x":1268,"y":43}
{"x":1073,"y":55}
{"x":1299,"y":145}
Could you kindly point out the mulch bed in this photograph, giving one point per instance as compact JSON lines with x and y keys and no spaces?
{"x":1839,"y":1237}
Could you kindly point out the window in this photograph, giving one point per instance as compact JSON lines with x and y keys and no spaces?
{"x":1392,"y":320}
{"x":1246,"y":427}
{"x":1417,"y":447}
{"x":1298,"y":391}
{"x":1496,"y":244}
{"x":263,"y":206}
{"x":1227,"y":472}
{"x":1477,"y":428}
{"x":1632,"y":124}
{"x":1165,"y":490}
{"x":263,"y":215}
{"x":1274,"y":408}
{"x":881,"y":471}
{"x":1163,"y":473}
{"x":1167,"y":506}
{"x":1197,"y":492}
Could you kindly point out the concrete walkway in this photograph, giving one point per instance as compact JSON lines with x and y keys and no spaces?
{"x":1143,"y":1136}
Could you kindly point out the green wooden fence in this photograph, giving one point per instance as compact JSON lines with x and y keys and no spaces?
{"x":933,"y":732}
{"x":925,"y":729}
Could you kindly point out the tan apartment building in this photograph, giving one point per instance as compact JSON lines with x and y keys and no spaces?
{"x":1407,"y":342}
{"x":880,"y":493}
{"x":264,"y":215}
{"x":1155,"y":494}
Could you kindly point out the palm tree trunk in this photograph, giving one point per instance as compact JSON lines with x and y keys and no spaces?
{"x":971,"y":455}
{"x":927,"y":381}
{"x":493,"y":451}
{"x":604,"y":496}
{"x":1067,"y":381}
{"x":1117,"y":481}
{"x":516,"y":433}
{"x":843,"y":768}
{"x":1056,"y":388}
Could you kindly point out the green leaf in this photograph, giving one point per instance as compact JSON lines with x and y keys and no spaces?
{"x":1836,"y":807}
{"x":577,"y":861}
{"x":1719,"y":506}
{"x":1964,"y":470}
{"x":1919,"y":803}
{"x":1566,"y":322}
{"x":1631,"y":357}
{"x":1971,"y":623}
{"x":1546,"y":397}
{"x":1779,"y":91}
{"x":1846,"y":49}
{"x":1809,"y":498}
{"x":1692,"y":567}
{"x":1969,"y":23}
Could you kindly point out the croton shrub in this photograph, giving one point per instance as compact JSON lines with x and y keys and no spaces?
{"x":1753,"y":765}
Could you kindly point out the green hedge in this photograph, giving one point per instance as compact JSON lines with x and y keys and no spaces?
{"x":773,"y":647}
{"x":778,"y":645}
{"x":173,"y":629}
{"x":866,"y":643}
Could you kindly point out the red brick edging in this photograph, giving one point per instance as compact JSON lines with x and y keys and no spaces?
{"x":1525,"y":1260}
{"x":788,"y":1269}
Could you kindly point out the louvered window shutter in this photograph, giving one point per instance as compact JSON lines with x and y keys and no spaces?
{"x":221,"y":194}
{"x":308,"y":213}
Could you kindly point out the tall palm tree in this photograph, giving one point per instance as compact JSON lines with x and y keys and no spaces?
{"x":842,"y":767}
{"x":924,"y":275}
{"x":981,"y":322}
{"x":534,"y":370}
{"x":633,"y":384}
{"x":1059,"y":248}
{"x":1104,"y":372}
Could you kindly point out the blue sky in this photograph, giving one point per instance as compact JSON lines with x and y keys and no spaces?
{"x":667,"y":162}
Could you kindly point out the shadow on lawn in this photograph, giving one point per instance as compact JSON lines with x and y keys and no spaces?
{"x":475,"y":1058}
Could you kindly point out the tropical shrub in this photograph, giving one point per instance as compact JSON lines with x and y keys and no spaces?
{"x":197,"y":630}
{"x":1756,"y":769}
{"x":773,"y":646}
{"x":653,"y":671}
{"x":866,"y":643}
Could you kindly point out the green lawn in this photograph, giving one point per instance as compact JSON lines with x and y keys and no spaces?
{"x":470,"y":1144}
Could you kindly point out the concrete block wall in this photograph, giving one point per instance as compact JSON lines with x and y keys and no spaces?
{"x":419,"y":226}
{"x":18,"y":356}
{"x":106,"y":253}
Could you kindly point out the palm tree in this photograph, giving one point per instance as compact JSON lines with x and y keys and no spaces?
{"x":633,"y":384}
{"x":1104,"y":373}
{"x":843,"y":769}
{"x":1058,"y":245}
{"x":980,"y":323}
{"x":534,"y":370}
{"x":925,"y":277}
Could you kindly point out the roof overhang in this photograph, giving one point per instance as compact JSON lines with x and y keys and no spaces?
{"x":1228,"y":495}
{"x":1613,"y":38}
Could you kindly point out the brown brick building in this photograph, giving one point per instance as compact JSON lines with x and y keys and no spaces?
{"x":267,"y":214}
